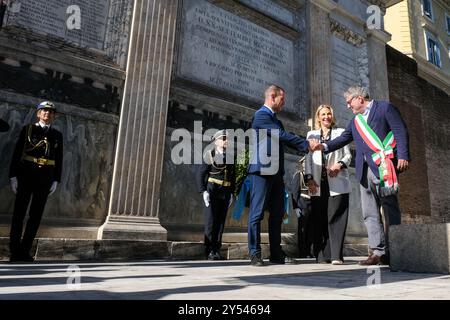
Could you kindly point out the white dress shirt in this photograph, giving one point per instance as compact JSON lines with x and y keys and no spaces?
{"x":44,"y":126}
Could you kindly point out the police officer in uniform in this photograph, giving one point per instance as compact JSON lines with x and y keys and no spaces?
{"x":215,"y":181}
{"x":34,"y":173}
{"x":301,"y":203}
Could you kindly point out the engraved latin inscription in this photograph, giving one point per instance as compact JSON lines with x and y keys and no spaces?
{"x":50,"y":17}
{"x":226,"y":52}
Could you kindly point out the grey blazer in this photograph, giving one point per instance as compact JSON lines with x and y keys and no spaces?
{"x":339,"y":184}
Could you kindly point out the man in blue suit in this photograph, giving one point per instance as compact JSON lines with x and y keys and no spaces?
{"x":266,"y":172}
{"x":378,"y":160}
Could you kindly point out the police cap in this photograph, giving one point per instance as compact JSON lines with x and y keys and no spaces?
{"x":46,"y":105}
{"x":220,"y":133}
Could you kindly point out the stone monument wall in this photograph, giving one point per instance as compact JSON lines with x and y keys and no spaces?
{"x":349,"y":66}
{"x":82,"y":72}
{"x":51,"y":17}
{"x":226,"y":55}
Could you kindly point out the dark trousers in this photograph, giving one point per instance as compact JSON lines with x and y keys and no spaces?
{"x":2,"y":14}
{"x":34,"y":185}
{"x":330,"y":217}
{"x":266,"y":192}
{"x":215,"y":216}
{"x":305,"y":232}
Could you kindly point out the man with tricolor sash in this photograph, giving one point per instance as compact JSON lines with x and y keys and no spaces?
{"x":382,"y":151}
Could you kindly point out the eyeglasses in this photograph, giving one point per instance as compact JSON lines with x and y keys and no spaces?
{"x":350,"y":101}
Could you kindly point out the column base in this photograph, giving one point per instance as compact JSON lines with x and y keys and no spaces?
{"x":132,"y":228}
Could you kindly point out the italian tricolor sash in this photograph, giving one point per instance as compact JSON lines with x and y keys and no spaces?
{"x":383,"y":153}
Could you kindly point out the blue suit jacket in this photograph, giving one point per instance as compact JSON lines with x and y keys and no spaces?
{"x":265,"y":119}
{"x":383,"y":118}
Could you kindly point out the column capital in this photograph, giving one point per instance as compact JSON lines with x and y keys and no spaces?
{"x":326,"y":5}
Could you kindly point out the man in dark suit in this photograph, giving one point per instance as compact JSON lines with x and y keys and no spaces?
{"x":377,"y":163}
{"x":266,"y":172}
{"x":34,"y":173}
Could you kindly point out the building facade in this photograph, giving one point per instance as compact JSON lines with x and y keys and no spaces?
{"x":421,"y":30}
{"x":137,"y":71}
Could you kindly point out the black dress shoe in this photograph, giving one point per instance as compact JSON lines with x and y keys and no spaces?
{"x":24,"y":257}
{"x":257,"y":261}
{"x":277,"y":261}
{"x":215,"y":256}
{"x":212,"y":256}
{"x":324,"y":261}
{"x":289,"y":260}
{"x":281,"y":259}
{"x":14,"y":258}
{"x":220,"y":257}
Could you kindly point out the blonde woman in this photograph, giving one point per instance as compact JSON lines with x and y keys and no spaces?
{"x":329,"y":187}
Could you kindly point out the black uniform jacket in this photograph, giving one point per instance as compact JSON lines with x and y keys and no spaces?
{"x":35,"y":143}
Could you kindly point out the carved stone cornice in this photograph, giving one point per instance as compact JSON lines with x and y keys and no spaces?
{"x":326,"y":5}
{"x":346,"y":34}
{"x":381,"y":35}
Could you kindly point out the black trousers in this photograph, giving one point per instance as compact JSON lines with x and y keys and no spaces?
{"x":2,"y":14}
{"x":215,"y":216}
{"x":330,"y":217}
{"x":34,"y":185}
{"x":305,"y":232}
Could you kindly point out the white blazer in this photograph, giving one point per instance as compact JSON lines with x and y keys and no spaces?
{"x":339,"y":184}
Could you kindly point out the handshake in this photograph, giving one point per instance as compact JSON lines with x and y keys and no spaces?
{"x":315,"y":145}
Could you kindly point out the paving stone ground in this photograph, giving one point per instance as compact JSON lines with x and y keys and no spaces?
{"x":216,"y":280}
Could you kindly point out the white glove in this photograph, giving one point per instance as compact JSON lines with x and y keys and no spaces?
{"x":206,"y":198}
{"x":298,"y":212}
{"x":231,"y":201}
{"x":14,"y":184}
{"x":53,"y":187}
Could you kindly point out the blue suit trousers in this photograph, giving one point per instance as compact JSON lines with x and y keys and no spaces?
{"x":266,"y":192}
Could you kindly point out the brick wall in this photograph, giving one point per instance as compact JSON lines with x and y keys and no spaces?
{"x":425,"y":187}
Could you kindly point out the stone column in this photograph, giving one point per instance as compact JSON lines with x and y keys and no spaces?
{"x":378,"y":77}
{"x":134,"y":203}
{"x":319,"y":43}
